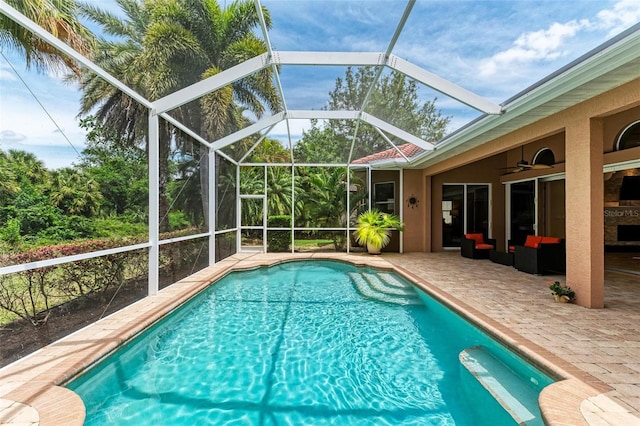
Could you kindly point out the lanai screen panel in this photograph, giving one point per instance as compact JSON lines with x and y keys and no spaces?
{"x":226,"y":186}
{"x":329,"y":26}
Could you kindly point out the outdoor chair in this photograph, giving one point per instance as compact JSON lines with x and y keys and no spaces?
{"x":475,"y":246}
{"x":541,"y":255}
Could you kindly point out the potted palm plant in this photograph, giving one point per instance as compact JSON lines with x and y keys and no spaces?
{"x":561,"y":292}
{"x":374,"y":229}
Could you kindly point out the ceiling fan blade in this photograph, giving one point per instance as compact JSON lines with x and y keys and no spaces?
{"x":512,"y":170}
{"x":540,"y":166}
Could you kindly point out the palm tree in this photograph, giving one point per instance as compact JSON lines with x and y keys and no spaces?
{"x":166,"y":45}
{"x":325,"y":200}
{"x":8,"y":182}
{"x":75,"y":193}
{"x":279,"y":191}
{"x":59,"y":17}
{"x":27,"y":168}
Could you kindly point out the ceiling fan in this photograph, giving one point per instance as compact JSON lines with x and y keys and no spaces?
{"x":523,"y":165}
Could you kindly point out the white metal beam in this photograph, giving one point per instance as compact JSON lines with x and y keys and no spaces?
{"x":248,"y":131}
{"x":211,"y":205}
{"x":258,"y":63}
{"x":444,"y":86}
{"x":211,"y":84}
{"x":328,"y":58}
{"x":390,"y":142}
{"x":323,"y":114}
{"x":255,"y":145}
{"x":64,"y":48}
{"x":383,"y":125}
{"x":154,"y":203}
{"x":22,"y":267}
{"x":185,"y":129}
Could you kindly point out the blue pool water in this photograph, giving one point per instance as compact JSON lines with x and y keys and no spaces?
{"x":304,"y":343}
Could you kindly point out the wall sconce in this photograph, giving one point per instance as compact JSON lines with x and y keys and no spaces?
{"x":412,"y":201}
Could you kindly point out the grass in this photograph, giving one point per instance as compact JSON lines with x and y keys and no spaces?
{"x":312,"y":243}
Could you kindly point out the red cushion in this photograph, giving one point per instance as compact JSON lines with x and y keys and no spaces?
{"x":484,"y":246}
{"x":532,"y":241}
{"x":550,"y":240}
{"x":479,"y":238}
{"x":512,"y":249}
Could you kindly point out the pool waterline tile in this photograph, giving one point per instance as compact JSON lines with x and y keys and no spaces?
{"x":561,"y":402}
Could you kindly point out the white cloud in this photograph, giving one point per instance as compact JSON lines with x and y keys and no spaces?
{"x":541,"y":45}
{"x":550,"y":44}
{"x":296,"y":127}
{"x":9,"y":136}
{"x":6,"y":74}
{"x":624,"y":14}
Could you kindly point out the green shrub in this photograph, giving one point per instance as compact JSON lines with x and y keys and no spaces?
{"x":67,"y":228}
{"x":119,"y":227}
{"x":278,"y":241}
{"x":10,"y":233}
{"x":178,"y":220}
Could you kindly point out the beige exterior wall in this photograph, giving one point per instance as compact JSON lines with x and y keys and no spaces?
{"x":415,"y":219}
{"x":583,"y":139}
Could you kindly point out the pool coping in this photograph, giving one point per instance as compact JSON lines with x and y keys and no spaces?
{"x":31,"y":390}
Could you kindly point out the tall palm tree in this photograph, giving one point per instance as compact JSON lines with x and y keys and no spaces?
{"x":165,"y":45}
{"x":59,"y":17}
{"x":227,"y":40}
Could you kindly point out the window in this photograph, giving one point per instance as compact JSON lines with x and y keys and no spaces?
{"x":630,"y":137}
{"x":544,"y":156}
{"x":384,"y":197}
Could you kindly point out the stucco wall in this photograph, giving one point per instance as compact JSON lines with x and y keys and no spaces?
{"x":584,"y":137}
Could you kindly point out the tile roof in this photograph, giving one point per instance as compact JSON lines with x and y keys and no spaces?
{"x":408,"y":149}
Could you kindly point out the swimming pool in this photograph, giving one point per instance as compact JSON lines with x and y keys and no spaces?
{"x":312,"y":342}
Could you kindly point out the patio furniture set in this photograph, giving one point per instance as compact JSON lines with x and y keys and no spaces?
{"x":538,"y":255}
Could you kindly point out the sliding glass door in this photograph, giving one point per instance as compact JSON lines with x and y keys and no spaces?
{"x":465,"y":208}
{"x":523,"y":211}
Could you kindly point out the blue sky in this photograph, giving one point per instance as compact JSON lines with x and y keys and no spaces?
{"x":493,"y":48}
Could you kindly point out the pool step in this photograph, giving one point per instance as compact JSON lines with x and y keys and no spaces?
{"x":393,"y":281}
{"x":378,"y":288}
{"x":511,"y":390}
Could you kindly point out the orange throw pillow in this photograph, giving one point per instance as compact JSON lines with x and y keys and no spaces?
{"x":532,"y":241}
{"x":484,"y":247}
{"x":550,"y":240}
{"x":479,"y":238}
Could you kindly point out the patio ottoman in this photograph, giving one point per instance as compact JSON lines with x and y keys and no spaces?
{"x":501,"y":257}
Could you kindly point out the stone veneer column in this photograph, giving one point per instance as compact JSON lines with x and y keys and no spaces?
{"x":584,"y":211}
